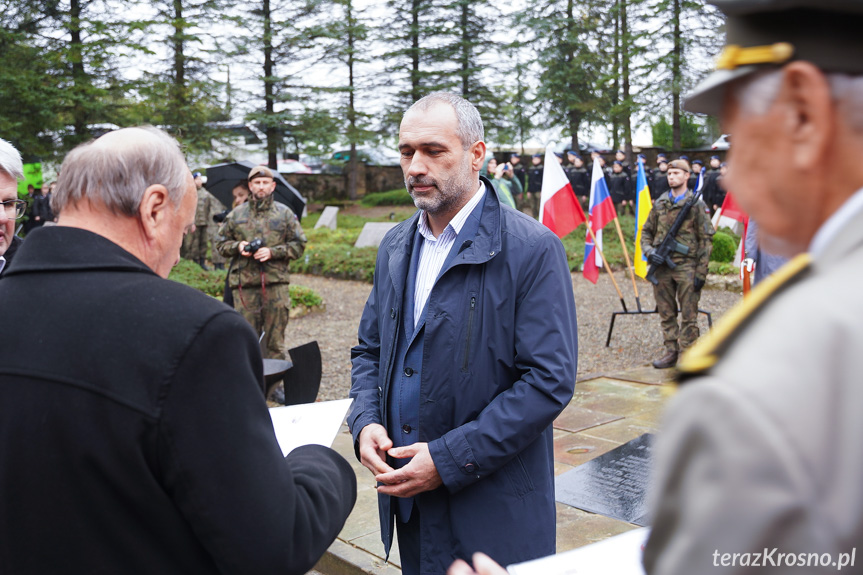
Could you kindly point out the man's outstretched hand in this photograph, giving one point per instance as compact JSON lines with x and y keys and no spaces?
{"x":416,"y":477}
{"x":483,"y":564}
{"x":374,"y":443}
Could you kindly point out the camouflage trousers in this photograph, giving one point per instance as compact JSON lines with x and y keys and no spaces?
{"x":675,"y":286}
{"x":195,"y":244}
{"x":212,"y":234}
{"x":266,"y":310}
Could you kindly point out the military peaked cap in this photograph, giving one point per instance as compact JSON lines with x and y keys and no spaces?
{"x":770,"y":33}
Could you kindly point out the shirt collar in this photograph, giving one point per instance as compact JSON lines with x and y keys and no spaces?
{"x":830,"y":229}
{"x":457,"y":222}
{"x":2,"y":263}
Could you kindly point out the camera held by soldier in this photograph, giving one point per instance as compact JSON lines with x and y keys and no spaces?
{"x":253,"y":246}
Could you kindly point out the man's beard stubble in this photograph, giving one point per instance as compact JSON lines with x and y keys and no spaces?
{"x":450,"y":191}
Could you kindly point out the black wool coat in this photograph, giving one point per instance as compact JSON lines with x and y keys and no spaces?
{"x":134,"y":434}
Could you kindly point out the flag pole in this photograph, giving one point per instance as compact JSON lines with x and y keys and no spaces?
{"x":607,"y":267}
{"x":628,"y":263}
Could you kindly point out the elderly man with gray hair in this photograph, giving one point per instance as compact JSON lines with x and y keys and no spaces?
{"x":139,"y":441}
{"x":11,"y":170}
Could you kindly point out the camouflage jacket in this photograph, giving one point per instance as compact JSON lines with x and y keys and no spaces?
{"x":696,"y":233}
{"x":208,"y":205}
{"x":276,"y":225}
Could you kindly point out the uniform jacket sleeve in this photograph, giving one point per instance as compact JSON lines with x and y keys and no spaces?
{"x":295,"y":240}
{"x":253,"y":509}
{"x":648,"y":231}
{"x":705,"y":239}
{"x":546,"y":355}
{"x":728,"y":480}
{"x":227,"y":242}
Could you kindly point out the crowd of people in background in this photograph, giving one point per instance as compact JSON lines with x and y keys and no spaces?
{"x":525,"y":184}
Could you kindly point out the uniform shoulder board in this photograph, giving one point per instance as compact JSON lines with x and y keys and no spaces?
{"x":707,"y":350}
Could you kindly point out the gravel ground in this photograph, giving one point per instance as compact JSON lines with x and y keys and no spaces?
{"x":636,"y":340}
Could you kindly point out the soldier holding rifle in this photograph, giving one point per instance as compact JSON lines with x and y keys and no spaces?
{"x":679,"y":252}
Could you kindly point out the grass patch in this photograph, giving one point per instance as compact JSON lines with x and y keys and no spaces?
{"x":212,"y":283}
{"x":399,"y":197}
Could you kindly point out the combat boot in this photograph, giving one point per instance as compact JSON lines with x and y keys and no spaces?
{"x":667,"y":360}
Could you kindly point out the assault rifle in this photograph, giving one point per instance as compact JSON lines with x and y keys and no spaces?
{"x":670,"y":243}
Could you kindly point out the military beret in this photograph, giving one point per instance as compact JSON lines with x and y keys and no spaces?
{"x":661,"y":155}
{"x":537,"y":155}
{"x":618,"y":163}
{"x":558,"y":154}
{"x":764,"y":34}
{"x":686,"y":158}
{"x":699,"y":162}
{"x":679,"y":165}
{"x":196,"y":174}
{"x":514,"y":155}
{"x":260,"y":172}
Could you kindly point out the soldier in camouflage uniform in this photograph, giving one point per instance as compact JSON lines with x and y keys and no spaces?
{"x":195,"y":243}
{"x":682,"y":284}
{"x":259,"y":281}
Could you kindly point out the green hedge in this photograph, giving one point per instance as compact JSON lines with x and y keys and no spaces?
{"x":399,"y":197}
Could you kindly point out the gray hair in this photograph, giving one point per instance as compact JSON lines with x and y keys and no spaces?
{"x":118,"y":167}
{"x":756,"y":93}
{"x":469,"y":128}
{"x":10,"y":160}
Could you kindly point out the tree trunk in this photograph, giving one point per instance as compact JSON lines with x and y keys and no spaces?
{"x":572,"y":114}
{"x":178,"y":95}
{"x":415,"y":50}
{"x":79,"y":75}
{"x":676,"y":80}
{"x":615,"y":96}
{"x":352,"y":115}
{"x":465,"y":52}
{"x":270,"y":129}
{"x":626,"y":111}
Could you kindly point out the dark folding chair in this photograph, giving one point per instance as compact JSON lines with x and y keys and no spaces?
{"x":303,"y":380}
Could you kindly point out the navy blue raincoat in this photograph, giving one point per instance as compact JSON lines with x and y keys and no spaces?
{"x":499,"y":364}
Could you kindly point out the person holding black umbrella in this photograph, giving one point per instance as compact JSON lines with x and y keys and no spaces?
{"x":262,"y":236}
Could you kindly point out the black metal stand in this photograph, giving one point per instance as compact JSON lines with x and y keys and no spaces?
{"x":640,"y":311}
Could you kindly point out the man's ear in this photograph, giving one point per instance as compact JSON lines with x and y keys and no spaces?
{"x":809,"y":123}
{"x":477,"y":155}
{"x":153,"y":209}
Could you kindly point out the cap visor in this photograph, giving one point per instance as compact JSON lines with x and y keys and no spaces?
{"x":706,"y":98}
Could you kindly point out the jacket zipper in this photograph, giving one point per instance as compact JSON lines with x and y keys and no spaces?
{"x":469,"y":331}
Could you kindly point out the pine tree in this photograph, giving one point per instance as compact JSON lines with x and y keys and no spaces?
{"x":564,"y":35}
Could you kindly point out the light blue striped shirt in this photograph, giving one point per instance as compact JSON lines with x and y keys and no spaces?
{"x":434,"y":251}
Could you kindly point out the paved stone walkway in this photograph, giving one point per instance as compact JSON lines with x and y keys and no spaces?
{"x":605,"y":412}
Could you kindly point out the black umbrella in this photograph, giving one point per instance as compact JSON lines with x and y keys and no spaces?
{"x":222,"y":178}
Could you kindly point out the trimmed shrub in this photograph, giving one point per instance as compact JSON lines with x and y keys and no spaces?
{"x":724,"y":248}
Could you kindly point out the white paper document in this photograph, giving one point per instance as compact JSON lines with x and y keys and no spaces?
{"x":309,"y":423}
{"x":620,"y":555}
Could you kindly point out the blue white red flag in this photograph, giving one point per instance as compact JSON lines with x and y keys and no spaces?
{"x":601,"y":213}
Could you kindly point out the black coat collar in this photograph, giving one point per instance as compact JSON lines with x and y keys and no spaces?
{"x":63,"y":248}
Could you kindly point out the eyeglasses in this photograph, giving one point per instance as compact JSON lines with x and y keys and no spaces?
{"x":14,"y":209}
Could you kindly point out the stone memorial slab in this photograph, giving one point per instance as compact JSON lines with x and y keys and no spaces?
{"x":328,"y":218}
{"x":648,"y":375}
{"x":575,"y":418}
{"x":613,"y":484}
{"x":372,"y":234}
